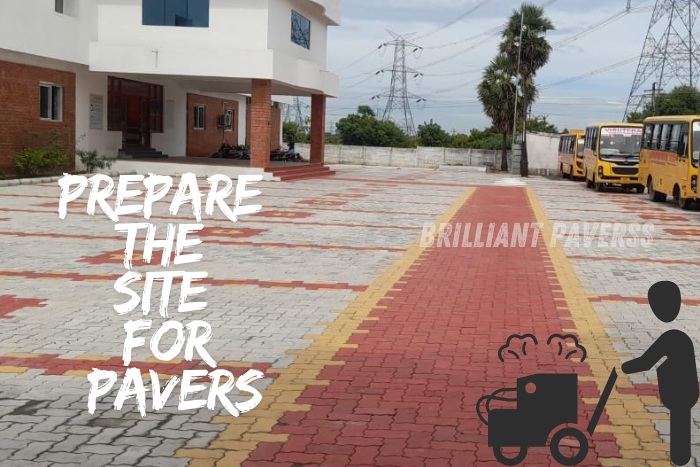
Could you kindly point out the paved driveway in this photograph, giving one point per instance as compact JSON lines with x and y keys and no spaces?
{"x":375,"y":346}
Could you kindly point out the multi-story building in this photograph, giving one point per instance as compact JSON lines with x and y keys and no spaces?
{"x":179,"y":76}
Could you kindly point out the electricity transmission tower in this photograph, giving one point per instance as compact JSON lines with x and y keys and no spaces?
{"x":670,"y":53}
{"x":294,"y":113}
{"x":398,"y":97}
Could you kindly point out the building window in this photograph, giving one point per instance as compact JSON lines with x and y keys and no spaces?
{"x":51,"y":102}
{"x":301,"y":30}
{"x":187,"y":13}
{"x":200,"y":116}
{"x":228,"y":120}
{"x":58,"y":6}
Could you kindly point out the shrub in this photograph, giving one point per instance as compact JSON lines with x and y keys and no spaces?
{"x":44,"y":154}
{"x":92,"y":160}
{"x":43,"y":161}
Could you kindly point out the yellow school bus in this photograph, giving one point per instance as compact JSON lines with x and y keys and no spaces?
{"x":571,"y":154}
{"x":669,"y":158}
{"x":611,"y":156}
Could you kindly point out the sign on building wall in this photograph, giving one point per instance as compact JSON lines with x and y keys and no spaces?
{"x":96,"y":112}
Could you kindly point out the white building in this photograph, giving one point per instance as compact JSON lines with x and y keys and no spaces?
{"x":178,"y":76}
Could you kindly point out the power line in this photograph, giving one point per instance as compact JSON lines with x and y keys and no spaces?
{"x":594,"y":27}
{"x":364,"y":57}
{"x":462,"y":41}
{"x":591,"y":73}
{"x":493,"y":31}
{"x":491,"y":34}
{"x":454,"y":21}
{"x":379,"y":74}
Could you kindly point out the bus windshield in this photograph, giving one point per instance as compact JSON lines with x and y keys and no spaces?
{"x":696,"y":142}
{"x":620,"y":143}
{"x":581,"y":147}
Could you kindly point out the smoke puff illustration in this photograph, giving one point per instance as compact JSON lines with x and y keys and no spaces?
{"x":561,"y":342}
{"x":517,"y":348}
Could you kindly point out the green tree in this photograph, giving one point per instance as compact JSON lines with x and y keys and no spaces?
{"x":488,"y":138}
{"x":682,"y":100}
{"x":460,"y":140}
{"x":497,"y":93}
{"x":541,"y":125}
{"x":532,"y":53}
{"x":364,"y":129}
{"x":291,"y":130}
{"x":432,"y":135}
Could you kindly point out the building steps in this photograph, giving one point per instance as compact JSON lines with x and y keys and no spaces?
{"x":141,"y":153}
{"x":299,"y":172}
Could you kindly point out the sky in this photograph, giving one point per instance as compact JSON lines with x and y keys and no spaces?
{"x":453,"y":58}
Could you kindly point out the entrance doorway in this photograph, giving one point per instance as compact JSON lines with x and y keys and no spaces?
{"x":135,"y":109}
{"x":137,"y":133}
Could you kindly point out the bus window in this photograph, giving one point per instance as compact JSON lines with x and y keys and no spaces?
{"x":580,"y":147}
{"x":696,"y":142}
{"x":655,"y":137}
{"x":683,"y":149}
{"x":665,"y":131}
{"x":675,"y":142}
{"x":648,"y":133}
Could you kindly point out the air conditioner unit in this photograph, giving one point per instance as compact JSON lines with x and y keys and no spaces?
{"x":225,"y":120}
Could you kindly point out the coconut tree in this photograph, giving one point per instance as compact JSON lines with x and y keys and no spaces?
{"x":525,"y":45}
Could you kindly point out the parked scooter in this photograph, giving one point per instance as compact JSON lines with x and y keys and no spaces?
{"x":226,"y":151}
{"x":288,"y":155}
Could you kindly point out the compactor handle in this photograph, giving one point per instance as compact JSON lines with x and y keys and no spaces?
{"x":601,"y":403}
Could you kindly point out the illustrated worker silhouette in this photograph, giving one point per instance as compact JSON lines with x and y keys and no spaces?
{"x":677,"y":375}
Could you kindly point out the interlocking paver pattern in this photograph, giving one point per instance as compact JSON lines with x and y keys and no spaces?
{"x":374,"y":348}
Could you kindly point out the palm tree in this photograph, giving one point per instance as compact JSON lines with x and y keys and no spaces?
{"x":532,"y":55}
{"x":497,"y":93}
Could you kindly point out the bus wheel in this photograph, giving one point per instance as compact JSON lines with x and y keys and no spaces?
{"x":654,"y":195}
{"x":685,"y":203}
{"x":599,"y":187}
{"x":589,"y":184}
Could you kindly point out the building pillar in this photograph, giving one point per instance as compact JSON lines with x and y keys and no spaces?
{"x":260,"y":120}
{"x":318,"y":128}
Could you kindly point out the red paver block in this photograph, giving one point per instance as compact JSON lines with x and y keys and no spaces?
{"x":11,"y":303}
{"x":433,"y":352}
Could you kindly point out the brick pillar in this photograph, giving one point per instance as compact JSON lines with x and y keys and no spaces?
{"x":318,"y":128}
{"x":260,"y":119}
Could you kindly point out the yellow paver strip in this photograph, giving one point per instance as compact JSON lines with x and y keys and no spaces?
{"x":632,"y":424}
{"x":242,"y":434}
